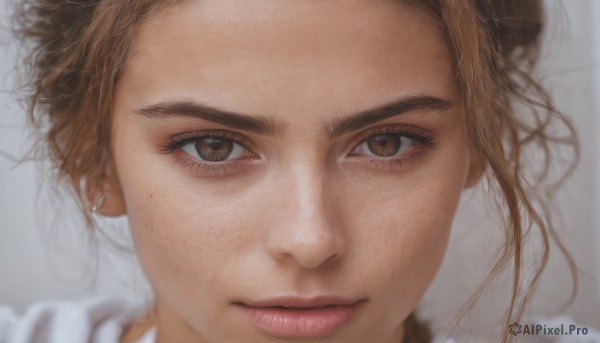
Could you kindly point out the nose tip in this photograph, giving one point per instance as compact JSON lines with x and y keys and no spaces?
{"x":307,"y":229}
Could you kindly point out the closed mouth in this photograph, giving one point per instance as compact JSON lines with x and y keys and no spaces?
{"x":301,"y":317}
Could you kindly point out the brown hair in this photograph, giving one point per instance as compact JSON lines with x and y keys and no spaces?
{"x":80,"y":46}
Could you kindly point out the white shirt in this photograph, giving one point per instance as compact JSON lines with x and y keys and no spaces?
{"x":93,"y":320}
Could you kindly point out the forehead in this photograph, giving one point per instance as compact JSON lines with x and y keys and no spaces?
{"x":270,"y":50}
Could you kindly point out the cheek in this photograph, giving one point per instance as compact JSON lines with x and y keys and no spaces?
{"x":406,"y":241}
{"x":184,"y":234}
{"x":416,"y":241}
{"x":402,"y":246}
{"x":184,"y":240}
{"x":403,"y":222}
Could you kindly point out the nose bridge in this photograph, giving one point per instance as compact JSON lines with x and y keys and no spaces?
{"x":305,"y":230}
{"x":308,"y":185}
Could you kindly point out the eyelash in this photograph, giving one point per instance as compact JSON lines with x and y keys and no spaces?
{"x":421,"y":142}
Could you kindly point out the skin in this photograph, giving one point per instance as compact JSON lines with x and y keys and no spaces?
{"x":301,"y":214}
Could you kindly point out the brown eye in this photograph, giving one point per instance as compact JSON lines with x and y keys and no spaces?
{"x":384,"y":145}
{"x":214,"y":149}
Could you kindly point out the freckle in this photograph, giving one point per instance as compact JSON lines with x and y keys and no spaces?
{"x":151,"y":196}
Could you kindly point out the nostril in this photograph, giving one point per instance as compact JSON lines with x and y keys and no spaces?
{"x":308,"y":252}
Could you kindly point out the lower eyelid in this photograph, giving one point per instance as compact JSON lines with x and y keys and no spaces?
{"x":398,"y":163}
{"x":199,"y":168}
{"x":225,"y":168}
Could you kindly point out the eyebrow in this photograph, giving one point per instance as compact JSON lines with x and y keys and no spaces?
{"x":270,"y":127}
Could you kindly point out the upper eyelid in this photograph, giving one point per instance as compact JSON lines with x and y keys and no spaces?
{"x":407,"y":130}
{"x":214,"y":132}
{"x":178,"y":141}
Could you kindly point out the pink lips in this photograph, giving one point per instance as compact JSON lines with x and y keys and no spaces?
{"x":296,"y":317}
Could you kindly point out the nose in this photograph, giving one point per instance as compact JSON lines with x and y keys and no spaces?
{"x":306,"y":228}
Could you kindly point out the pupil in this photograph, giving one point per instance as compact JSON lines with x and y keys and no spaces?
{"x":384,"y":145}
{"x":214,"y":149}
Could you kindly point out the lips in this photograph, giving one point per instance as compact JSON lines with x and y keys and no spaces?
{"x":300,"y":302}
{"x":300,"y":317}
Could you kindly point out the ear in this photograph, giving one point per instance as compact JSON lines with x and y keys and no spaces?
{"x":476,"y":169}
{"x":107,"y":184}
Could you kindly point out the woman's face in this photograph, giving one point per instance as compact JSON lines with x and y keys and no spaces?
{"x":290,"y":169}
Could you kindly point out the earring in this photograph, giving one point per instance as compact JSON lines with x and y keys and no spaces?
{"x":99,"y":202}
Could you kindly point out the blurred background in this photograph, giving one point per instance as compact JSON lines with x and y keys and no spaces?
{"x":45,"y":252}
